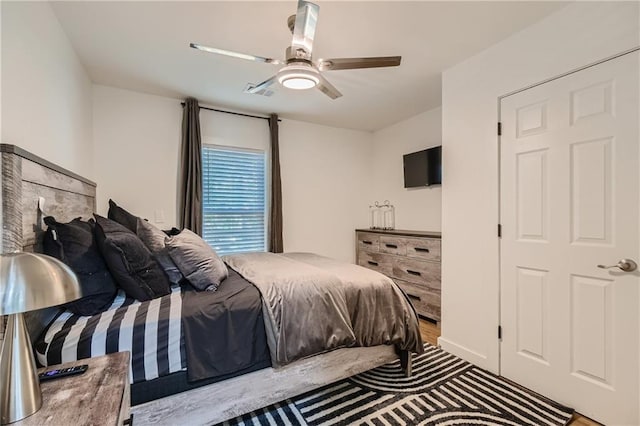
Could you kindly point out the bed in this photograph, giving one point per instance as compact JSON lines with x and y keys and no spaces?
{"x":153,"y":333}
{"x":161,"y":388}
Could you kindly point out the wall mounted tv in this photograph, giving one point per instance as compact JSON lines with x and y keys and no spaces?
{"x":423,"y":168}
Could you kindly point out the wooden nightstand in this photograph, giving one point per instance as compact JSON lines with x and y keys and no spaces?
{"x":100,"y":396}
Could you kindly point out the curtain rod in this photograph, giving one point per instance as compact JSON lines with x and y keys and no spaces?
{"x":231,"y":112}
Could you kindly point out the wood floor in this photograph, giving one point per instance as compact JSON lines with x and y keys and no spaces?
{"x":430,"y":333}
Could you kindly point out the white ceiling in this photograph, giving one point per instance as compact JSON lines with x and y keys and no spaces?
{"x":144,"y":46}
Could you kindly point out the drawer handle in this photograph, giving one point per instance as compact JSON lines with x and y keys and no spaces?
{"x":366,"y":242}
{"x":421,"y":249}
{"x":413,"y":272}
{"x":391,"y":246}
{"x":372,"y":263}
{"x":414,"y":297}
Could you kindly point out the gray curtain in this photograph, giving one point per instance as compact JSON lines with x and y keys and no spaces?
{"x":275,"y":214}
{"x":190,"y":184}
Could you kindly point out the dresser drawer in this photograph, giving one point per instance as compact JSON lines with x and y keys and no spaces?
{"x":411,"y":259}
{"x":368,"y":241}
{"x":424,"y":248}
{"x":393,"y":245}
{"x":416,"y":271}
{"x":377,"y":261}
{"x":425,"y":300}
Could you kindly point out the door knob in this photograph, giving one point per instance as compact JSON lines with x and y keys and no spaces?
{"x":626,"y":265}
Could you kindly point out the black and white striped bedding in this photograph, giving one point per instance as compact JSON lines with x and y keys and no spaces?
{"x":151,"y":331}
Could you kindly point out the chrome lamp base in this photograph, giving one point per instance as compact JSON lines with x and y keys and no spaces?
{"x":20,"y":394}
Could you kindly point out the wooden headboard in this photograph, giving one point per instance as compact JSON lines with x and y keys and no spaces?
{"x":26,"y":178}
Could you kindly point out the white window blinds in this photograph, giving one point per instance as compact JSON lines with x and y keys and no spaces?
{"x":233,"y":189}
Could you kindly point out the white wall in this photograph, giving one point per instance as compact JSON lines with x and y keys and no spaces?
{"x":325,"y":184}
{"x":579,"y":34}
{"x":415,"y":208}
{"x":137,"y":148}
{"x":136,"y":152}
{"x":46,"y":93}
{"x":324,"y":170}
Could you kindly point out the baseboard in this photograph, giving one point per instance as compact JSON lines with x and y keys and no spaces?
{"x":465,"y":353}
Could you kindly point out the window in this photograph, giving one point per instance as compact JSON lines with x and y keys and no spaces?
{"x":233,"y":191}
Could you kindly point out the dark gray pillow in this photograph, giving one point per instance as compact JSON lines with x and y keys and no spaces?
{"x":122,"y":216}
{"x":74,"y":244}
{"x":130,"y":261}
{"x":153,"y":238}
{"x":197,"y":261}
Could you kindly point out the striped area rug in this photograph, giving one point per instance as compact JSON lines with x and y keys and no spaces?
{"x":443,"y":390}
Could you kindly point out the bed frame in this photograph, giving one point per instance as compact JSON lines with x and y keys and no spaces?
{"x":26,"y":178}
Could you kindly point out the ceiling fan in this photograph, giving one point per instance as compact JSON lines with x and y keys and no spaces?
{"x":299,"y":70}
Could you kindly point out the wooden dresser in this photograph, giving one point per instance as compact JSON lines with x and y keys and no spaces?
{"x":410,"y":258}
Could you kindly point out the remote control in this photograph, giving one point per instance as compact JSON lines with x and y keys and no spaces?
{"x":62,"y":372}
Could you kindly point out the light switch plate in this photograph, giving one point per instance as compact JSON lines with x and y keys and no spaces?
{"x":159,"y":216}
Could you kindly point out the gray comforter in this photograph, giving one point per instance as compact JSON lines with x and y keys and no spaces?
{"x":313,"y":304}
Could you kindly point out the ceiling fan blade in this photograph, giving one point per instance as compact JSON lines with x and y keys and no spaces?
{"x":327,"y":88}
{"x":305,"y":27}
{"x":235,"y":54}
{"x":355,"y":63}
{"x":258,"y":87}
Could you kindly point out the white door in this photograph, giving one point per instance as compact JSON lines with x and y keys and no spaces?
{"x":569,"y":202}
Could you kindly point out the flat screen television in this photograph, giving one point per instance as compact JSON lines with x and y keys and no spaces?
{"x":423,"y":168}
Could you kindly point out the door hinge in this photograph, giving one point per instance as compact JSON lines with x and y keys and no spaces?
{"x":499,"y":128}
{"x":499,"y":230}
{"x":499,"y":332}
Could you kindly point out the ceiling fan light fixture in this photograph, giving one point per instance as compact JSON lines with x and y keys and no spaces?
{"x":299,"y":82}
{"x":300,"y":72}
{"x":298,"y":77}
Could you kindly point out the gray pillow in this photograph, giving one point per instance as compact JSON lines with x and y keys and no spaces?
{"x":197,"y":261}
{"x":153,"y":238}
